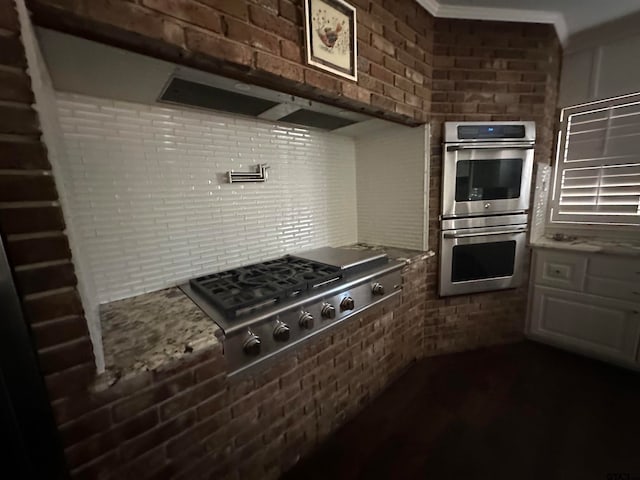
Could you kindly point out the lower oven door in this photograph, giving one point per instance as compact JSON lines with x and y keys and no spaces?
{"x":482,"y":259}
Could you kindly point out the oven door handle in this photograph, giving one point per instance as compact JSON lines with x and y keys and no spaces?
{"x":455,"y":148}
{"x":484,"y":234}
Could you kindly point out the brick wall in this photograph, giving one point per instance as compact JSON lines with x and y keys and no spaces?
{"x":485,"y":71}
{"x":187,"y":420}
{"x":32,"y":227}
{"x":264,"y":38}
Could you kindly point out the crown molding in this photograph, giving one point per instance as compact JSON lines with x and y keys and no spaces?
{"x":499,"y":14}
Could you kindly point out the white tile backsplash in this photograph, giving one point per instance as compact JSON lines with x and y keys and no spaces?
{"x":151,"y":207}
{"x":392,"y":185}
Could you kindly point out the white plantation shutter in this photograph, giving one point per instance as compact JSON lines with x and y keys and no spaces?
{"x":597,"y":177}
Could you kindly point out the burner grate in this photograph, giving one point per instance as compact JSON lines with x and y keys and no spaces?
{"x":249,"y":288}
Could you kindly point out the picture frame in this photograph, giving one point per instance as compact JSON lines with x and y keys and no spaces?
{"x":330,"y":37}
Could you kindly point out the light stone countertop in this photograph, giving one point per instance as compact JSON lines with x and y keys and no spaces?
{"x":395,"y":253}
{"x":144,"y":332}
{"x":590,"y":245}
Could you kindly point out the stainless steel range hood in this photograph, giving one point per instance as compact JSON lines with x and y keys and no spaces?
{"x":82,"y":66}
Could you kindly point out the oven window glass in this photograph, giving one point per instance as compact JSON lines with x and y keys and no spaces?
{"x":488,"y":179}
{"x":479,"y":261}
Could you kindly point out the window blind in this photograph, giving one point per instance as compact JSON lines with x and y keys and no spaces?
{"x":597,"y":174}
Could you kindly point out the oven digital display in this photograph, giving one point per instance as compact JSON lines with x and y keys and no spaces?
{"x":484,"y":132}
{"x":481,"y":261}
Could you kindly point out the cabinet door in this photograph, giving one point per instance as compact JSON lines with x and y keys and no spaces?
{"x":594,"y":325}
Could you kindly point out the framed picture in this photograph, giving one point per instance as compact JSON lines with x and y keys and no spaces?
{"x":330,"y":34}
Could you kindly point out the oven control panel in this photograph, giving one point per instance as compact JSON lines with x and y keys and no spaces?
{"x":280,"y":333}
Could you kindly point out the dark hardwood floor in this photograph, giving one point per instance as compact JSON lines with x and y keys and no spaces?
{"x":517,"y":412}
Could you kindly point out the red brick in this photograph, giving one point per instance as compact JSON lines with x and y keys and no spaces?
{"x":291,"y":50}
{"x":321,"y":80}
{"x":52,"y":305}
{"x":231,"y":7}
{"x":156,"y":436}
{"x":218,"y":47}
{"x":16,"y":154}
{"x":271,"y":5}
{"x":42,"y":249}
{"x":60,"y":357}
{"x":355,"y":92}
{"x":394,"y":65}
{"x":11,"y":51}
{"x":191,"y":397}
{"x":372,"y":54}
{"x":55,"y":332}
{"x":393,"y":92}
{"x":269,"y":21}
{"x":143,"y":466}
{"x":90,"y":424}
{"x":127,"y":16}
{"x":382,"y":102}
{"x":244,"y":33}
{"x":9,"y":16}
{"x":371,"y":22}
{"x":189,"y":11}
{"x":179,"y":444}
{"x":290,"y":11}
{"x":382,"y":44}
{"x":99,"y":469}
{"x":15,"y":119}
{"x":27,"y":188}
{"x":71,"y":381}
{"x":43,"y":278}
{"x":131,"y":406}
{"x":381,"y":73}
{"x":15,"y":86}
{"x":278,"y":66}
{"x":394,"y":37}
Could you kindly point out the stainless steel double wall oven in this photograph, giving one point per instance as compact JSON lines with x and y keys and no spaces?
{"x":486,"y":187}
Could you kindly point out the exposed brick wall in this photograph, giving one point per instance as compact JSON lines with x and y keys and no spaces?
{"x":32,"y":227}
{"x":485,"y":71}
{"x":264,"y":38}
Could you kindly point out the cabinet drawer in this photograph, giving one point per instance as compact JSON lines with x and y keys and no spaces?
{"x":620,"y":268}
{"x":607,"y":287}
{"x":560,"y":270}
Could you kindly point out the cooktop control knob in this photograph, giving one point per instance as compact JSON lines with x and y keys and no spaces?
{"x":306,"y":320}
{"x":377,"y":289}
{"x":282,"y":332}
{"x":251,"y":345}
{"x":328,"y":311}
{"x":347,"y":303}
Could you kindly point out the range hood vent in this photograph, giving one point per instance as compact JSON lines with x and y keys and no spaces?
{"x":309,"y":118}
{"x":185,"y":92}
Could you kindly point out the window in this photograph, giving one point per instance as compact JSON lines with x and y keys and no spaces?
{"x":597,"y":173}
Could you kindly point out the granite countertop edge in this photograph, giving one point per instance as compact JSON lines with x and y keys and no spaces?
{"x":589,"y":246}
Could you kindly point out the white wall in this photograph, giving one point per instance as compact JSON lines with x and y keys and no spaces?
{"x":392,"y":184}
{"x":151,"y":206}
{"x":601,"y":63}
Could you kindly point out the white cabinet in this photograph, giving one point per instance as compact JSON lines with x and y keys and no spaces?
{"x":584,"y":303}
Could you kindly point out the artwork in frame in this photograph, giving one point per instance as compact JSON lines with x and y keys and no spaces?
{"x":330,"y":33}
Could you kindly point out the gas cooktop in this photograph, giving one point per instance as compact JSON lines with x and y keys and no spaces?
{"x":269,"y":307}
{"x":253,"y":287}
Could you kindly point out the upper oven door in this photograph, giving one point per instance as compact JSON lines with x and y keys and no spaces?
{"x":486,"y":179}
